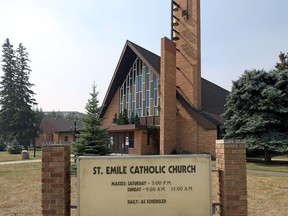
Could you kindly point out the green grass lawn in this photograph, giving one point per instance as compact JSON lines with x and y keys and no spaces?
{"x":284,"y":156}
{"x":5,"y":156}
{"x":275,"y":167}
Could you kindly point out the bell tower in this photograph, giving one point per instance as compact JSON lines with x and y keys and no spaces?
{"x":180,"y":69}
{"x":185,"y":32}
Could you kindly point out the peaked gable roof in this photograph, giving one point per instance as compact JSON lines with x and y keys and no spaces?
{"x":129,"y":54}
{"x":213,"y":96}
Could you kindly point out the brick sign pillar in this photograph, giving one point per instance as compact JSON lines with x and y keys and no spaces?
{"x":56,"y":184}
{"x":231,"y":165}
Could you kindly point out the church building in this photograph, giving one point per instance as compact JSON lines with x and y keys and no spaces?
{"x":160,"y":104}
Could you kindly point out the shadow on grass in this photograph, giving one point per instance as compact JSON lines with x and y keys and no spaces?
{"x":261,"y":162}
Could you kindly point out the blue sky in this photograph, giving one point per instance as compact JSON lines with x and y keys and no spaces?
{"x":73,"y":43}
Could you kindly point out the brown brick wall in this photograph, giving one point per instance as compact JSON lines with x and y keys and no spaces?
{"x":231,"y":165}
{"x":57,"y":138}
{"x":113,"y":108}
{"x":140,"y":145}
{"x":187,"y":138}
{"x":188,"y":74}
{"x":191,"y":136}
{"x":56,"y":183}
{"x":61,"y":137}
{"x":150,"y":149}
{"x":207,"y":141}
{"x":43,"y":138}
{"x":137,"y":143}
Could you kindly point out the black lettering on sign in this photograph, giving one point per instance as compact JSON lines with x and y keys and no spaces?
{"x":147,"y":169}
{"x":132,"y":201}
{"x":182,"y":169}
{"x":118,"y":183}
{"x":96,"y":171}
{"x":156,"y":201}
{"x":133,"y":189}
{"x":116,"y":170}
{"x":136,"y":182}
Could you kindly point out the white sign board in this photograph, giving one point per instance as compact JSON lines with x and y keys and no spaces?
{"x":144,"y":185}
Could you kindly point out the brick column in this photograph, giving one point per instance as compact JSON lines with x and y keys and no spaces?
{"x":56,"y":183}
{"x":231,"y":164}
{"x":167,"y":97}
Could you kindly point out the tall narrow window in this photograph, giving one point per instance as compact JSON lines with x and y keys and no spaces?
{"x":156,"y":96}
{"x":139,"y":91}
{"x":147,"y":91}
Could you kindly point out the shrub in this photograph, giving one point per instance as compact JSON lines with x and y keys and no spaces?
{"x":73,"y":169}
{"x":154,"y":133}
{"x":3,"y":147}
{"x":15,"y":150}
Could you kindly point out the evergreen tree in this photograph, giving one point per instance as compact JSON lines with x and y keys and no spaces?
{"x":26,"y":127}
{"x":8,"y":91}
{"x":257,"y":111}
{"x":18,"y":120}
{"x":93,"y":139}
{"x":283,"y":64}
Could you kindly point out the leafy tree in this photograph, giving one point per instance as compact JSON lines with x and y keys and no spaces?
{"x":93,"y":139}
{"x":257,"y":111}
{"x":18,"y":120}
{"x":283,"y":64}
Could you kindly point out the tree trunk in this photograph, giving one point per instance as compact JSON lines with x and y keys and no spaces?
{"x":267,"y":155}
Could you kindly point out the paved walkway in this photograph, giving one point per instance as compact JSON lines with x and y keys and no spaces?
{"x":19,"y":162}
{"x":251,"y":159}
